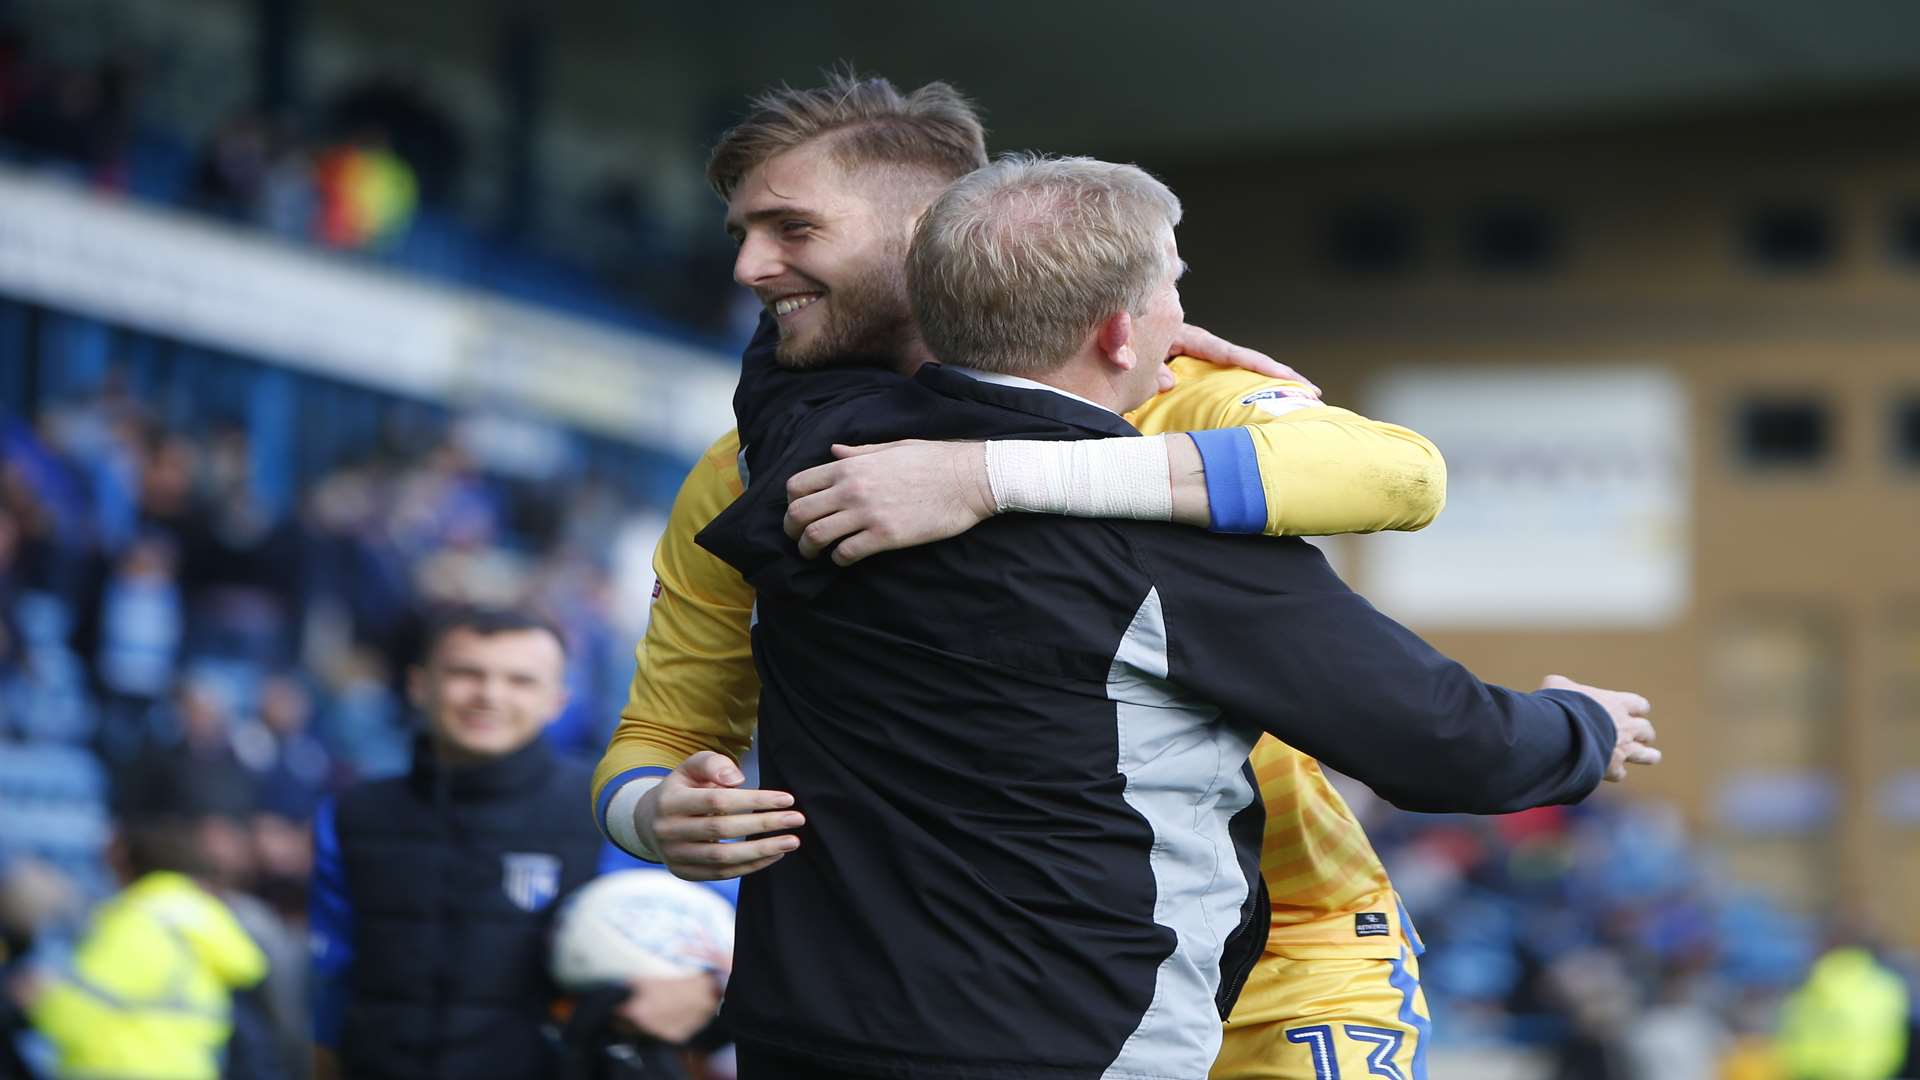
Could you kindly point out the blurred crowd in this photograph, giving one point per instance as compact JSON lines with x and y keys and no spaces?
{"x":1604,"y":938}
{"x":172,"y":649}
{"x":376,"y":169}
{"x":350,"y":191}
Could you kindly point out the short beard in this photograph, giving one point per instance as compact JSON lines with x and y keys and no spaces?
{"x":868,"y":319}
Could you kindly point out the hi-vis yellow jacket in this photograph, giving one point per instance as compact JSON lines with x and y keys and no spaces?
{"x":149,"y":992}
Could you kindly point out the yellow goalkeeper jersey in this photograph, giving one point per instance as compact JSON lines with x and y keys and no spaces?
{"x":1322,"y":470}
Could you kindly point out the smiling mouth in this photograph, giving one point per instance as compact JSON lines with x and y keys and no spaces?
{"x":787,"y":305}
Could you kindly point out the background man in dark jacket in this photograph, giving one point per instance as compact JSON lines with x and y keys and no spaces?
{"x":433,"y":891}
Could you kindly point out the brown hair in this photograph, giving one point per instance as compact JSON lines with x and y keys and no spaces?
{"x":934,"y":128}
{"x":485,"y":622}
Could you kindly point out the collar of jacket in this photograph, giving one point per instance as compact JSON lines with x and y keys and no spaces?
{"x":1042,"y":403}
{"x":524,"y":768}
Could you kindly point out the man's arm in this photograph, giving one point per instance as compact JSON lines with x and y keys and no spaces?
{"x":1267,"y":633}
{"x":1317,"y":470}
{"x":694,"y":686}
{"x":667,"y":789}
{"x":1245,"y":453}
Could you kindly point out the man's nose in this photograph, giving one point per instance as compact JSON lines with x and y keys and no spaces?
{"x":758,"y":261}
{"x":486,"y":691}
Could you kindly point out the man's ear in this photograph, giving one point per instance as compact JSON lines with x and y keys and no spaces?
{"x":1114,"y":339}
{"x":562,"y":697}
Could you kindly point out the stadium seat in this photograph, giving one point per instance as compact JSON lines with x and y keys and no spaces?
{"x":53,"y":805}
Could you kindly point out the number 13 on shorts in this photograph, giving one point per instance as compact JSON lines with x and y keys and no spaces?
{"x":1380,"y":1045}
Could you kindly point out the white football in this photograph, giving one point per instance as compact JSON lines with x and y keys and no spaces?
{"x":634,"y":924}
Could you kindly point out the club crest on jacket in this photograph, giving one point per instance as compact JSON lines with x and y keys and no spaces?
{"x":530,"y":879}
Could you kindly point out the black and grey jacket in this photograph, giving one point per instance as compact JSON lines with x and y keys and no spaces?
{"x":1032,"y":841}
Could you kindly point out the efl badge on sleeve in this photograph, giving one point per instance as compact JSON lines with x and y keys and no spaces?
{"x":530,"y":879}
{"x":1281,"y":400}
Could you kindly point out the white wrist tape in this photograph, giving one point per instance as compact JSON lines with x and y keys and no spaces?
{"x":620,"y":825}
{"x":1096,"y":478}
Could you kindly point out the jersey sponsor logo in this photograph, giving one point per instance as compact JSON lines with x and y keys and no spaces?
{"x":1371,"y":924}
{"x":1279,"y":400}
{"x":530,"y":879}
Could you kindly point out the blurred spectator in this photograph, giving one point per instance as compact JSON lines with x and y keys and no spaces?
{"x":243,"y":566}
{"x":363,"y":726}
{"x":254,"y":171}
{"x":283,"y":858}
{"x":277,"y":746}
{"x":166,"y":482}
{"x":101,"y":436}
{"x":357,"y":560}
{"x":152,"y":983}
{"x":367,"y":193}
{"x":1847,"y":1022}
{"x":44,"y":497}
{"x":416,"y":128}
{"x":270,"y":1026}
{"x":81,"y":116}
{"x":35,"y":902}
{"x":191,"y":764}
{"x":432,"y":893}
{"x":138,"y":629}
{"x":442,"y":500}
{"x":1593,"y":987}
{"x":1680,"y":1036}
{"x":45,"y":694}
{"x":35,"y":898}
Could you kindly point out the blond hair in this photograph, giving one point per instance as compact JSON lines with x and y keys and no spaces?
{"x":934,"y":129}
{"x":1015,"y":264}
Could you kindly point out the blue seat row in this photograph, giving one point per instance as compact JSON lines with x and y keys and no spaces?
{"x":51,"y":772}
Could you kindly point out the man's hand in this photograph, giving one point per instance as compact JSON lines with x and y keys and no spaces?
{"x":671,"y":1010}
{"x":1191,"y":340}
{"x":886,"y":496}
{"x":1633,"y":732}
{"x":701,"y":804}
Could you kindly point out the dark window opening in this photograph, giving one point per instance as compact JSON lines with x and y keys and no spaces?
{"x":1906,"y":431}
{"x":1904,"y":238}
{"x":1370,"y":239}
{"x":1785,"y":432}
{"x":1513,"y":238}
{"x":1790,"y":237}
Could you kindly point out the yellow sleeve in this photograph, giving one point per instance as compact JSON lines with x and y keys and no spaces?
{"x":1324,"y":470}
{"x":221,"y":942}
{"x":694,"y":685}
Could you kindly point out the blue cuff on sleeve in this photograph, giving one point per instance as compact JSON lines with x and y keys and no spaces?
{"x":612,"y":788}
{"x":1238,"y":501}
